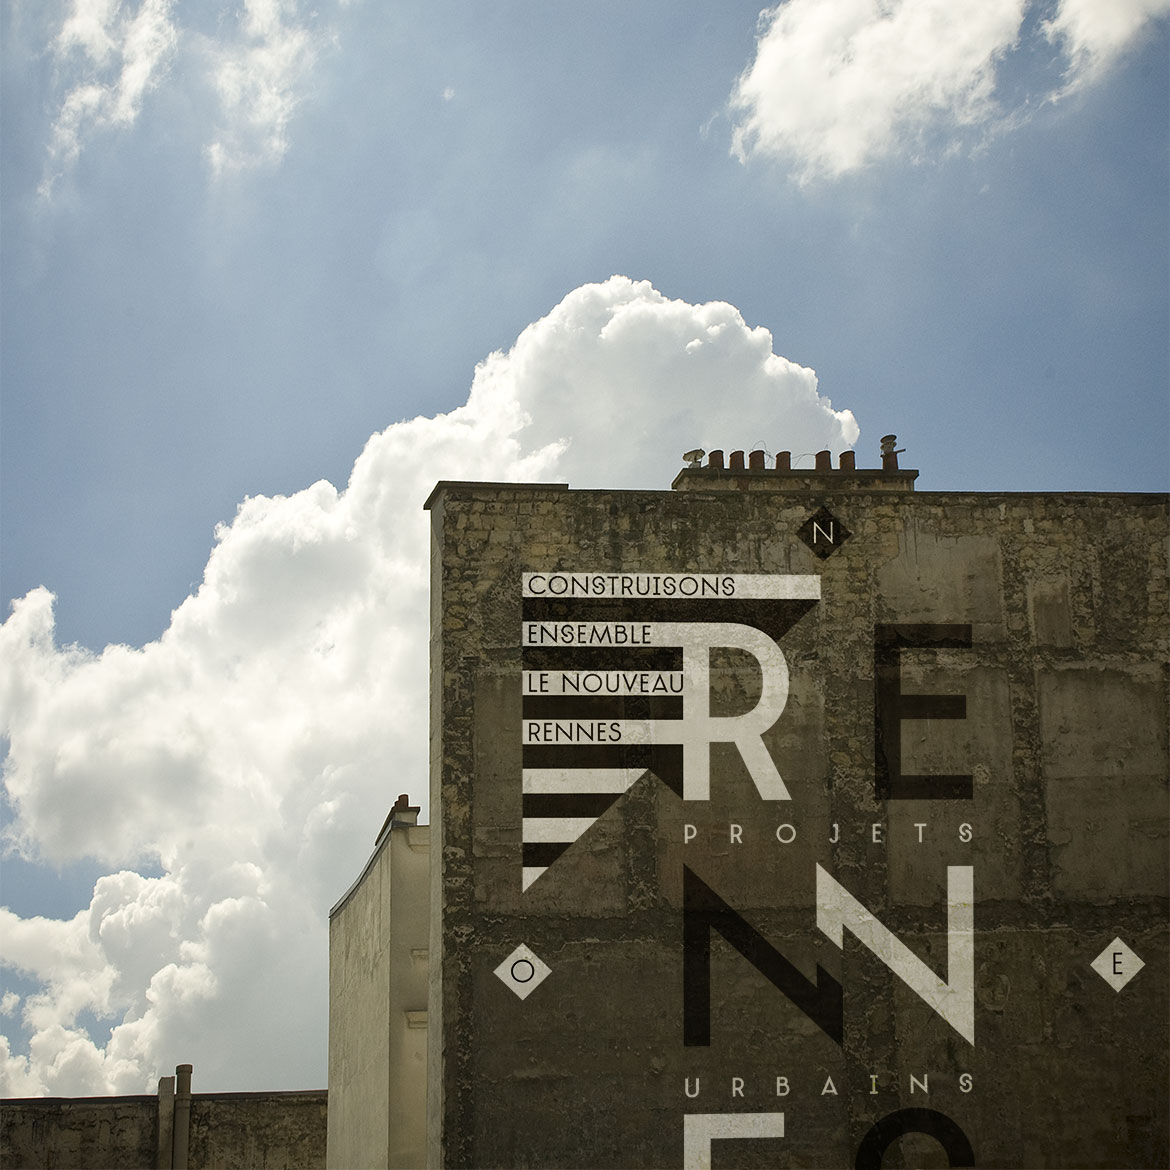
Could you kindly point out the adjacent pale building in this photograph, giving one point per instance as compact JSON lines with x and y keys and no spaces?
{"x":378,"y":986}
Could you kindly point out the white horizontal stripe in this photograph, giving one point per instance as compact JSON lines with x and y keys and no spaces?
{"x":594,"y":732}
{"x":611,"y":635}
{"x":692,"y":637}
{"x":554,"y":830}
{"x":675,"y":586}
{"x":567,"y":780}
{"x":571,"y":731}
{"x":603,"y":682}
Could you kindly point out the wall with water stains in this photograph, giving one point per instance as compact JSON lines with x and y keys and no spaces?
{"x":892,"y":958}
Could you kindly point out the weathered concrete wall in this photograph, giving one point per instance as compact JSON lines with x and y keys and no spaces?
{"x":78,"y":1133}
{"x":1050,"y":695}
{"x":261,"y":1131}
{"x":228,"y":1131}
{"x":378,"y":977}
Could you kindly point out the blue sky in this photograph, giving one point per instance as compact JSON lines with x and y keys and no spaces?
{"x":242,"y":245}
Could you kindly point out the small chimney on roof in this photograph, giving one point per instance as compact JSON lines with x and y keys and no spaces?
{"x":402,"y":812}
{"x":890,"y":452}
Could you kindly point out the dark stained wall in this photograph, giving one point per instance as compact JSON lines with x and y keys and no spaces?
{"x":1012,"y":645}
{"x":59,"y":1133}
{"x":231,"y":1131}
{"x":265,"y":1131}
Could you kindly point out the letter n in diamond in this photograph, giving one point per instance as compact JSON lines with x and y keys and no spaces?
{"x":823,"y":533}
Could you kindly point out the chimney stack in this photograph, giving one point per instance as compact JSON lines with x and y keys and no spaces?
{"x":750,"y":472}
{"x":890,"y":452}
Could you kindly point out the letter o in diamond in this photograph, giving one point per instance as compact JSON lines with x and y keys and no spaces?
{"x":523,"y":971}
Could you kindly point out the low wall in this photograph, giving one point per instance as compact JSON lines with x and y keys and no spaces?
{"x":228,"y":1131}
{"x":260,"y":1131}
{"x":79,"y":1132}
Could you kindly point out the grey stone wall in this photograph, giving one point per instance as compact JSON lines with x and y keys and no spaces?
{"x":263,"y":1131}
{"x":228,"y":1131}
{"x":59,"y":1133}
{"x":1056,"y":711}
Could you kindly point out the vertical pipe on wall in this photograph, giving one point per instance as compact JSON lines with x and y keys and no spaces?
{"x":166,"y":1122}
{"x":182,"y":1116}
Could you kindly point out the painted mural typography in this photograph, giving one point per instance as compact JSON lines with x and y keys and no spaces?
{"x":616,"y":683}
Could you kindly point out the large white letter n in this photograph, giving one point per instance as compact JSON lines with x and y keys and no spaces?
{"x":953,"y":999}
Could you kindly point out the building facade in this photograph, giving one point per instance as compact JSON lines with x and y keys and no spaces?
{"x":797,"y":818}
{"x":378,"y":986}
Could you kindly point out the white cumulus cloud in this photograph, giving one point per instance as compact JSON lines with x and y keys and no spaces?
{"x":838,"y":84}
{"x":247,"y":757}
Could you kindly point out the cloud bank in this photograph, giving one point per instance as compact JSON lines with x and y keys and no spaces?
{"x":248,"y":756}
{"x":838,"y":84}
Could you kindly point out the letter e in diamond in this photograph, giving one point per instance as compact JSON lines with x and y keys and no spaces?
{"x":1117,"y":964}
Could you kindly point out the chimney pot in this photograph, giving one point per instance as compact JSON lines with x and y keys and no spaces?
{"x":848,"y":461}
{"x":890,"y":452}
{"x":715,"y":460}
{"x":783,"y":460}
{"x":824,"y":461}
{"x":756,"y":460}
{"x":737,"y":461}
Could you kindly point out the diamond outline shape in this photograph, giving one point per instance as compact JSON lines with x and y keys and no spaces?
{"x":1105,"y":964}
{"x":823,"y":518}
{"x":523,"y":971}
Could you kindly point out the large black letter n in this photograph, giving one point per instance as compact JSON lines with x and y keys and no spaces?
{"x":704,"y":911}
